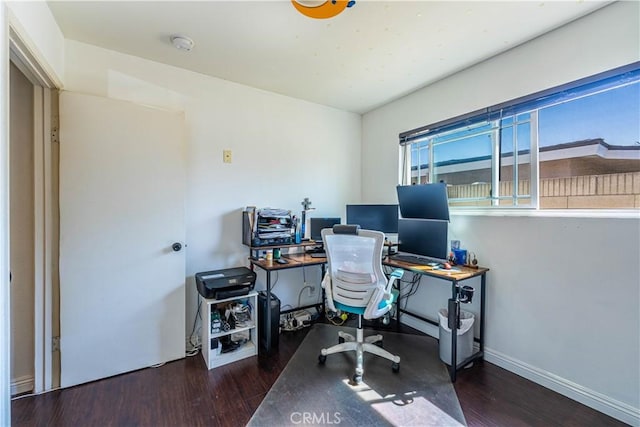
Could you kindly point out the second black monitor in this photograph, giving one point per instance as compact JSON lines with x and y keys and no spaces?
{"x":317,"y":224}
{"x":424,"y":237}
{"x":374,"y":217}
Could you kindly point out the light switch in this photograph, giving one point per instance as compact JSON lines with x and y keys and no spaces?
{"x":226,"y":156}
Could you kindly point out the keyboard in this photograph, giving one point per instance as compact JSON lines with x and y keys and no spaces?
{"x":414,"y":259}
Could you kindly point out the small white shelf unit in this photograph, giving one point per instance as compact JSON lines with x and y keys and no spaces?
{"x":212,"y":357}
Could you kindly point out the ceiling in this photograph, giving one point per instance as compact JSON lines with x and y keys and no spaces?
{"x":370,"y":54}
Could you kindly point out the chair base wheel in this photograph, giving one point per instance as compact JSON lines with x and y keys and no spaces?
{"x":321,"y":359}
{"x":395,"y":367}
{"x":357,"y":379}
{"x":340,"y":340}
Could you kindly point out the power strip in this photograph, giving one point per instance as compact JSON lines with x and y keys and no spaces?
{"x":295,"y":321}
{"x":302,"y":317}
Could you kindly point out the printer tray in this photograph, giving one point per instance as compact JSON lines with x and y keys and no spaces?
{"x":232,"y":292}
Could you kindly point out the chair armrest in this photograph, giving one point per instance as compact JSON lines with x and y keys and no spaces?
{"x":382,"y":298}
{"x":395,"y":275}
{"x":328,"y":291}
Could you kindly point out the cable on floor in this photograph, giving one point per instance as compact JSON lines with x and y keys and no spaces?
{"x":195,"y":346}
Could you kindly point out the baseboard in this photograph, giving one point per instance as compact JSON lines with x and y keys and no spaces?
{"x":22,"y":384}
{"x":598,"y":401}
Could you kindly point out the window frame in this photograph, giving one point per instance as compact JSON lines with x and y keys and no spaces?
{"x":560,"y":94}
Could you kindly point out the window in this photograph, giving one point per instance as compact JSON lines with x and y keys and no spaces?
{"x":574,"y":147}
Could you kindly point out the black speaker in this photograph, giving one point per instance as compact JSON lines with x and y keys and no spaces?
{"x":262,"y":320}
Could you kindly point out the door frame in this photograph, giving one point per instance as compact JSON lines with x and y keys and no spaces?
{"x":5,"y":316}
{"x":45,"y":201}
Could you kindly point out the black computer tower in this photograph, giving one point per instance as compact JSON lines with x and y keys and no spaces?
{"x":262,"y":320}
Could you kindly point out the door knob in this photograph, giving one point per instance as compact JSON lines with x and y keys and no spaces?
{"x":176,"y":246}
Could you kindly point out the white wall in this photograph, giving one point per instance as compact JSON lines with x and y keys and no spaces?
{"x":563,"y":293}
{"x":283,"y":150}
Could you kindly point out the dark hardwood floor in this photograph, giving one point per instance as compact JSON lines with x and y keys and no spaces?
{"x":185,"y":393}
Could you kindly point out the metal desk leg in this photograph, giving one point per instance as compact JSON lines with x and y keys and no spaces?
{"x":454,"y":335}
{"x":482,"y":299}
{"x":398,"y":305}
{"x":323,"y":272}
{"x":267,"y":334}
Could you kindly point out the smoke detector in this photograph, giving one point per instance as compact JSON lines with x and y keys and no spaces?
{"x":182,"y":42}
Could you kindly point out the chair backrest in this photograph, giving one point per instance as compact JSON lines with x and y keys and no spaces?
{"x":354,"y":263}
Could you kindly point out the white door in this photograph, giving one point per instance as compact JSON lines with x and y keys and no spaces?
{"x":122,"y":293}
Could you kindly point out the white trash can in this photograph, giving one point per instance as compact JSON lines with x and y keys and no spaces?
{"x":464,"y":346}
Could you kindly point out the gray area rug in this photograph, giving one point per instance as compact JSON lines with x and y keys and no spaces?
{"x":308,"y":393}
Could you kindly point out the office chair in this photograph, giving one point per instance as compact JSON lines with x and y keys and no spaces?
{"x":355,"y":283}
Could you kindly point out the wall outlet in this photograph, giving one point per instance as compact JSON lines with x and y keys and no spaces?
{"x":226,"y":156}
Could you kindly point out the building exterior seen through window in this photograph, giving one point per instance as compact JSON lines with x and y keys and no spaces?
{"x":574,"y":149}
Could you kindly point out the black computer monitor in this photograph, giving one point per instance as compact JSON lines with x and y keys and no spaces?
{"x":423,"y":237}
{"x":317,"y":224}
{"x":426,"y":201}
{"x":374,"y":217}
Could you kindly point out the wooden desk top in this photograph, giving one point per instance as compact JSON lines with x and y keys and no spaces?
{"x":295,"y":261}
{"x":463,"y":274}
